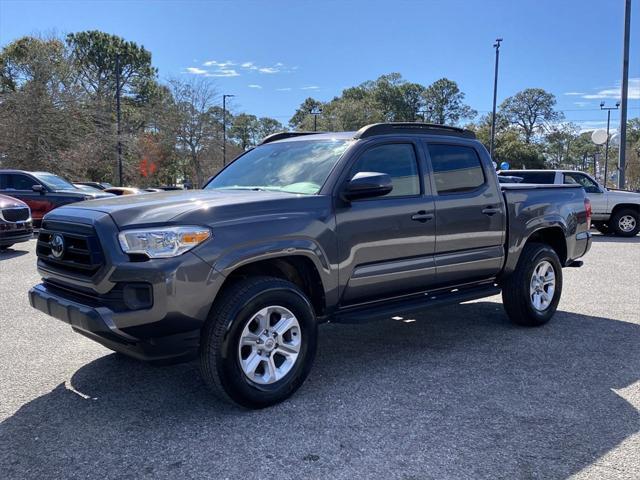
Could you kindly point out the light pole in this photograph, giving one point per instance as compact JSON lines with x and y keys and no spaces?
{"x":118,"y":128}
{"x":315,"y":111}
{"x":495,"y":94}
{"x":606,"y":148}
{"x":224,"y":128}
{"x":625,"y":93}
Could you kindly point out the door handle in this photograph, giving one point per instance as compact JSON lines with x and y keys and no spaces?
{"x":422,"y":216}
{"x":490,"y":211}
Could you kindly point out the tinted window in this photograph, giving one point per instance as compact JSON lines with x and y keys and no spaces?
{"x":20,"y":182}
{"x":533,"y":177}
{"x":396,"y":160}
{"x":455,"y":168}
{"x":4,"y":179}
{"x":589,"y":185}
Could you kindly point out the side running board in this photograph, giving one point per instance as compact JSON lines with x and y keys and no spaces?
{"x":400,"y":307}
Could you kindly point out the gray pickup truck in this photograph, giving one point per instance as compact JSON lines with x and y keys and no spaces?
{"x":305,"y":229}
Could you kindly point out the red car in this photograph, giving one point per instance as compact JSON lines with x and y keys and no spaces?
{"x":42,"y":191}
{"x":15,"y":222}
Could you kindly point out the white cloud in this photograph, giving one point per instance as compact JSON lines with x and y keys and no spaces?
{"x":284,"y":89}
{"x":581,"y":104}
{"x":253,"y":85}
{"x":223,"y":72}
{"x":196,"y":70}
{"x":268,"y":70}
{"x":614,"y":93}
{"x":248,"y":65}
{"x":310,"y":87}
{"x":214,"y":63}
{"x":577,"y":94}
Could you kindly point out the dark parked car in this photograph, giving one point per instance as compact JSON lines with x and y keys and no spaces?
{"x":303,"y":229}
{"x":42,"y":191}
{"x":15,"y":222}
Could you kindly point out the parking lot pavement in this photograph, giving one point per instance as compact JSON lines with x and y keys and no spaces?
{"x":458,"y":393}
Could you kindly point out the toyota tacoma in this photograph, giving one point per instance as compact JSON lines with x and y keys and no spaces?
{"x":301,"y":230}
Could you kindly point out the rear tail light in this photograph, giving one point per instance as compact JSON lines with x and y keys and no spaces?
{"x":587,"y":207}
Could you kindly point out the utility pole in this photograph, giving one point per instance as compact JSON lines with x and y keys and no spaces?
{"x":625,"y":92}
{"x":606,"y":148}
{"x":315,"y":111}
{"x":495,"y":94}
{"x":224,"y":128}
{"x":118,"y":128}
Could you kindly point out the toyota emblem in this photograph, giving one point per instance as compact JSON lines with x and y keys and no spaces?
{"x":57,"y":245}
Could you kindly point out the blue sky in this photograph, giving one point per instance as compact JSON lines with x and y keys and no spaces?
{"x":273,"y":55}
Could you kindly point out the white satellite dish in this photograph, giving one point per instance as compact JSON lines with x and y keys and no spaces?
{"x":615,"y":139}
{"x":599,"y":137}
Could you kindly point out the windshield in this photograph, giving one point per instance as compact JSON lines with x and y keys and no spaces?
{"x":295,"y":167}
{"x":54,"y":182}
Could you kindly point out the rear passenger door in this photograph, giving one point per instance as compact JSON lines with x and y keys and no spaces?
{"x":470,"y":214}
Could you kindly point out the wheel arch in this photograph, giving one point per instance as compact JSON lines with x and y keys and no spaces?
{"x":298,"y":269}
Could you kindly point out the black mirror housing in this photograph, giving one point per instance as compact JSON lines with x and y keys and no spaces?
{"x":367,"y":185}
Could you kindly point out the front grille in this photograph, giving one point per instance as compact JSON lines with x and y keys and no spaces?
{"x":19,"y":214}
{"x":81,"y":253}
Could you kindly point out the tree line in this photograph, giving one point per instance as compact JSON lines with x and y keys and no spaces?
{"x":57,"y":113}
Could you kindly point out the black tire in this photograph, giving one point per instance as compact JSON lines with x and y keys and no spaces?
{"x":219,"y":347}
{"x":616,"y":221}
{"x":516,"y":290}
{"x":602,"y":227}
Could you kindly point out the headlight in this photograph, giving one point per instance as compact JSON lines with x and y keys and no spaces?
{"x":162,"y":242}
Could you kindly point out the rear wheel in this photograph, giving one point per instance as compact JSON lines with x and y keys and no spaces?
{"x":531,"y":294}
{"x":259,"y":343}
{"x":625,"y":223}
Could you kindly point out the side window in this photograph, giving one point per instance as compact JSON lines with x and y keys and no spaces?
{"x":4,"y":180}
{"x":396,"y":160}
{"x":21,"y":182}
{"x":455,"y":168}
{"x":588,"y":184}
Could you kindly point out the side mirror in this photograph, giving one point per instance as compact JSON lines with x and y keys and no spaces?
{"x":367,"y":185}
{"x":38,"y":188}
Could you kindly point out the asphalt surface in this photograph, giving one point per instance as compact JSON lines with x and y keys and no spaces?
{"x":458,"y":393}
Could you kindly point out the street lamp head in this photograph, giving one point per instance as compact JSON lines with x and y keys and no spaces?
{"x":617,"y":104}
{"x":602,"y":104}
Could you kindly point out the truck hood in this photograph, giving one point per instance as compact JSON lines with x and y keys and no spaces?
{"x":623,"y":196}
{"x":166,"y":207}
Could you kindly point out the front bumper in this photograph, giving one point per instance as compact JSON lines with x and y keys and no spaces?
{"x":98,"y":324}
{"x":11,"y":233}
{"x":164,"y":324}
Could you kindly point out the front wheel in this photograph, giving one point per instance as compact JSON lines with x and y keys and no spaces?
{"x":625,"y":223}
{"x":531,"y":294}
{"x":259,"y":343}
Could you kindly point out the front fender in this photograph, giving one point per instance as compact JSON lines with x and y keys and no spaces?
{"x":231,"y":260}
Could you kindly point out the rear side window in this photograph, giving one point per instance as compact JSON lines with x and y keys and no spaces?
{"x":455,"y":168}
{"x":396,"y":160}
{"x":545,"y":178}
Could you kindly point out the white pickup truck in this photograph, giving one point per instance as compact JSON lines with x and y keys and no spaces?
{"x":614,"y":211}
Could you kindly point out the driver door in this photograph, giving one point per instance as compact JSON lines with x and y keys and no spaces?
{"x":597,"y":197}
{"x":386,"y":244}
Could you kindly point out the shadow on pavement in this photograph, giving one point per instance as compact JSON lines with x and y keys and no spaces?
{"x":463,"y":393}
{"x":599,"y":238}
{"x":12,"y":252}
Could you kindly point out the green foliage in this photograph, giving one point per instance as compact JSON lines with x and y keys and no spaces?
{"x":444,"y":103}
{"x":530,"y":110}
